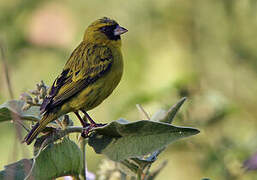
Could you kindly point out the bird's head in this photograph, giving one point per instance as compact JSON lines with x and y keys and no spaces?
{"x":104,"y":30}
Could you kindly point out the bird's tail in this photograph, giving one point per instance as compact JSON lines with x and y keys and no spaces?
{"x":48,"y":117}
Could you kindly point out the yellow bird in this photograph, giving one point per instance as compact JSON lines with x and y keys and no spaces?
{"x":89,"y":76}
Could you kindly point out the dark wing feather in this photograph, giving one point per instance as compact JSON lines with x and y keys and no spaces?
{"x":58,"y":83}
{"x":86,"y":64}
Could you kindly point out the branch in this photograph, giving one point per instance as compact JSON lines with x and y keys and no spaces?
{"x":83,"y":150}
{"x":6,"y":72}
{"x":58,"y":134}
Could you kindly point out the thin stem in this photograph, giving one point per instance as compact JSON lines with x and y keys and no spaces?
{"x":141,"y":109}
{"x":131,"y":166}
{"x":22,"y":125}
{"x":146,"y":172}
{"x":123,"y":176}
{"x":10,"y":91}
{"x":34,"y":159}
{"x":6,"y":72}
{"x":34,"y":104}
{"x":83,"y":149}
{"x":52,"y":137}
{"x":139,"y":174}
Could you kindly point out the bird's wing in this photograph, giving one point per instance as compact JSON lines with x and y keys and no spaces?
{"x":86,"y":64}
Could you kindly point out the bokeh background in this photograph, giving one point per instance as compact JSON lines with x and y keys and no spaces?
{"x":203,"y":49}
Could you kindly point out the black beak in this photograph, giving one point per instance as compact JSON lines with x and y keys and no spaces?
{"x":119,"y":30}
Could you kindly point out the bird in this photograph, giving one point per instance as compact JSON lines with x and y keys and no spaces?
{"x":92,"y":72}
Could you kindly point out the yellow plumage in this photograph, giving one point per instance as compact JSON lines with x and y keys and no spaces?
{"x":90,"y":75}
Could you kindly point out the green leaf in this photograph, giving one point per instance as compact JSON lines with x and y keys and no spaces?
{"x":162,"y":116}
{"x":121,"y":139}
{"x":56,"y":160}
{"x":14,"y":107}
{"x":17,"y":170}
{"x":173,"y":111}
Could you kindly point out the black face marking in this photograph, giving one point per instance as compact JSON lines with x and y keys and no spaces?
{"x":109,"y":32}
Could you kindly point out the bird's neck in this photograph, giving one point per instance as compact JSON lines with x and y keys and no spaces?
{"x":104,"y":41}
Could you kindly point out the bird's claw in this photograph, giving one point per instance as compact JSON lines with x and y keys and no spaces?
{"x":89,"y":128}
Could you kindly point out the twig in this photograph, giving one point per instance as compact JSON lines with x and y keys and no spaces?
{"x":34,"y":104}
{"x":139,"y":174}
{"x":144,"y":176}
{"x":123,"y":176}
{"x":131,"y":166}
{"x":6,"y":72}
{"x":141,"y":109}
{"x":83,"y":150}
{"x":152,"y":175}
{"x":34,"y":158}
{"x":22,"y":125}
{"x":52,"y":137}
{"x":15,"y":117}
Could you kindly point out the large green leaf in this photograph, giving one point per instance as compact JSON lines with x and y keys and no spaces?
{"x":59,"y":159}
{"x":121,"y":139}
{"x":14,"y":107}
{"x":164,"y":116}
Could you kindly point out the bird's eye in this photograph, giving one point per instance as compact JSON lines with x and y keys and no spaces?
{"x":109,"y":31}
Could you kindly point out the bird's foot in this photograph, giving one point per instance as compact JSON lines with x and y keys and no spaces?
{"x":89,"y":128}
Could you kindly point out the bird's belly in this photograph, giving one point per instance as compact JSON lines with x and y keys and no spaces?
{"x":95,"y":93}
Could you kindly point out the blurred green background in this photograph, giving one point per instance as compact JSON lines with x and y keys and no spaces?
{"x":203,"y":49}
